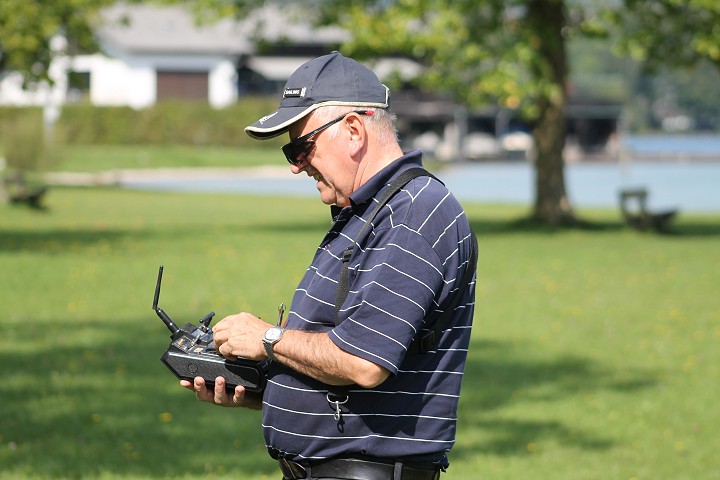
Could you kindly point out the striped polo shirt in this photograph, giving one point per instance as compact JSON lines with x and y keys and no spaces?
{"x":409,"y":264}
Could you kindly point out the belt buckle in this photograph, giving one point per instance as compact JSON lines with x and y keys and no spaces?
{"x":292,"y":470}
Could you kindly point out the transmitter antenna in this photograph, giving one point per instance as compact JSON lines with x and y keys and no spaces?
{"x":160,"y":312}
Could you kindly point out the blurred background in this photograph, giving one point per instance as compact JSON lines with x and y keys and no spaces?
{"x":582,"y":137}
{"x":575,"y":100}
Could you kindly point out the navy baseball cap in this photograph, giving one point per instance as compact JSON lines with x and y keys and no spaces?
{"x":328,"y":80}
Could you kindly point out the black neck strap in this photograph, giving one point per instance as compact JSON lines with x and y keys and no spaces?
{"x":423,"y":342}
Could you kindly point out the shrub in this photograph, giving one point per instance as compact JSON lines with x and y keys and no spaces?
{"x":24,"y":151}
{"x":172,"y":122}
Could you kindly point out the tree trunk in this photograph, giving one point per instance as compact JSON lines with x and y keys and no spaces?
{"x":551,"y":201}
{"x":552,"y":205}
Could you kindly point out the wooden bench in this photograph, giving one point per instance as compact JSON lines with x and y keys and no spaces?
{"x":633,"y":205}
{"x":14,"y":189}
{"x":32,"y":197}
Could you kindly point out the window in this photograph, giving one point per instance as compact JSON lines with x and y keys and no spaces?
{"x":78,"y":86}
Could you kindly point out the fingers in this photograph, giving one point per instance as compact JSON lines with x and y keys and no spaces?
{"x":226,"y":323}
{"x":238,"y":395}
{"x":202,"y":392}
{"x":225,"y":350}
{"x":220,"y":396}
{"x":217,"y":394}
{"x":240,"y":335}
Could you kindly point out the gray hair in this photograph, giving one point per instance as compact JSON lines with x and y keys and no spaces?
{"x":381,"y":123}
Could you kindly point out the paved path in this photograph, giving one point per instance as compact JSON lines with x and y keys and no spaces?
{"x":151,"y":175}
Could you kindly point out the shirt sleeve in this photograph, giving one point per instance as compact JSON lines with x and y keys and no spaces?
{"x":394,"y":282}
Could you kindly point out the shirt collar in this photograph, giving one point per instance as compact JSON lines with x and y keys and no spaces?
{"x":369,"y":189}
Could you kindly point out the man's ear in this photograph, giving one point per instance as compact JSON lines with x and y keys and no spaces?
{"x":356,"y":132}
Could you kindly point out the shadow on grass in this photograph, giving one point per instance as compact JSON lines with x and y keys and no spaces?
{"x":490,"y":226}
{"x":101,"y":403}
{"x":58,"y":240}
{"x":694,"y":228}
{"x":526,"y":225}
{"x":62,"y":240}
{"x":500,"y":375}
{"x":109,"y":407}
{"x":688,"y":227}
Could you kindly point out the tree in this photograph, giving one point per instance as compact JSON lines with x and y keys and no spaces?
{"x":507,"y":53}
{"x":29,"y":29}
{"x":32,"y":34}
{"x":672,"y":38}
{"x":658,"y":33}
{"x":510,"y":53}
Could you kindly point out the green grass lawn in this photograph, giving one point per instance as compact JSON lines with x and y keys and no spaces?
{"x":595,"y":352}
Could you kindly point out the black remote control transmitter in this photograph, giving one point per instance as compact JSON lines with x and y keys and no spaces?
{"x":192,"y":354}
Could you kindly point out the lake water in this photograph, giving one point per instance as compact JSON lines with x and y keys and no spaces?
{"x":674,"y":147}
{"x":675,"y":182}
{"x":689,"y":187}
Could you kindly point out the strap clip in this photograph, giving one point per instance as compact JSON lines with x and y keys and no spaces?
{"x":426,"y":342}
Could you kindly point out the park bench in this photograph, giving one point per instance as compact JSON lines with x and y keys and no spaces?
{"x":31,"y":197}
{"x":633,"y":205}
{"x":14,"y":189}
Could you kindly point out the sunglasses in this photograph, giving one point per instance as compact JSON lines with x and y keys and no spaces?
{"x":299,"y":148}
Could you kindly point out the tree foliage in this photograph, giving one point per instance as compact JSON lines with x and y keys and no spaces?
{"x":667,"y":32}
{"x":483,"y":52}
{"x":29,"y":30}
{"x":513,"y":53}
{"x":676,"y":44}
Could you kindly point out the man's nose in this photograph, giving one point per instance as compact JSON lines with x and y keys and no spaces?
{"x":298,"y":168}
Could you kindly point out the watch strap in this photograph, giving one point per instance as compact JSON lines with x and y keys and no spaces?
{"x":269,"y":350}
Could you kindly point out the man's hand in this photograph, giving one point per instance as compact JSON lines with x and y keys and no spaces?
{"x":241,"y":335}
{"x":219,"y":395}
{"x":310,"y":353}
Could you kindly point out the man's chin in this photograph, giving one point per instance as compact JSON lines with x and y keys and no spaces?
{"x":327,"y":199}
{"x":326,"y":195}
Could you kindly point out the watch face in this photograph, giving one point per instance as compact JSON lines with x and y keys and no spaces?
{"x":273,"y":334}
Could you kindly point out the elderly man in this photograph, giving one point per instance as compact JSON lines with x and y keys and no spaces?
{"x":365,"y":376}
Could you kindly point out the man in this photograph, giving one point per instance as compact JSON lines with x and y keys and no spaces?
{"x":357,"y":388}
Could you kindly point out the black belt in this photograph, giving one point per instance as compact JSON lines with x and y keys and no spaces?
{"x":355,"y":469}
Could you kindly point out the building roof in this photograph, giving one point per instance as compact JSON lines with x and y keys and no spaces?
{"x":152,"y":29}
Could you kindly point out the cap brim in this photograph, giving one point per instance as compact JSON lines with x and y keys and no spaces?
{"x":277,"y":122}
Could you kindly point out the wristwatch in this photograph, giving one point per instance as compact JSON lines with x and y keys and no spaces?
{"x":271,"y":337}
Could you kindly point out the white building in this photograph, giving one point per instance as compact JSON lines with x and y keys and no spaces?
{"x":154,"y":53}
